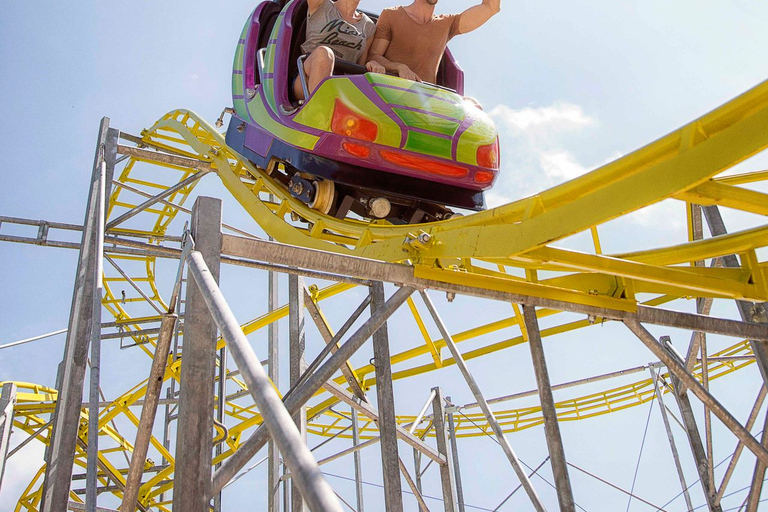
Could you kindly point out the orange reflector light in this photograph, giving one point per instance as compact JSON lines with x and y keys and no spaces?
{"x":483,"y":177}
{"x":351,"y":124}
{"x":424,"y":164}
{"x":488,"y":156}
{"x":357,"y":150}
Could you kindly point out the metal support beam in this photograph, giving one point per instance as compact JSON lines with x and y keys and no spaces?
{"x":325,"y":332}
{"x":273,"y":372}
{"x":361,"y":268}
{"x":60,"y":454}
{"x":758,"y":477}
{"x":671,"y":438}
{"x":253,"y":444}
{"x":676,"y":367}
{"x":759,"y":347}
{"x":221,"y":402}
{"x":444,"y":447}
{"x":7,"y":402}
{"x":455,"y":459}
{"x":357,"y":462}
{"x":547,"y":400}
{"x":415,"y":490}
{"x":740,"y":446}
{"x":148,"y":413}
{"x":694,"y":438}
{"x":385,"y":397}
{"x":297,"y":345}
{"x":92,"y":483}
{"x":368,"y":410}
{"x":505,"y":446}
{"x":194,"y":444}
{"x":159,"y":197}
{"x":315,"y":491}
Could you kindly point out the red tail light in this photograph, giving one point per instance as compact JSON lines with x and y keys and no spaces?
{"x":483,"y":177}
{"x":357,"y":150}
{"x":351,"y":124}
{"x":488,"y":156}
{"x":424,"y":164}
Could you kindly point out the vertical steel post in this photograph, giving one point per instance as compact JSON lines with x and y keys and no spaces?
{"x":444,"y":447}
{"x":551,"y":425}
{"x":699,"y":455}
{"x":297,"y":340}
{"x":417,"y":468}
{"x":94,"y":384}
{"x":314,"y":382}
{"x":148,"y":413}
{"x":221,"y":401}
{"x":194,"y":443}
{"x":7,"y":402}
{"x":671,"y":438}
{"x":717,"y":228}
{"x":756,"y":488}
{"x":357,"y":462}
{"x":385,"y":396}
{"x":455,"y":457}
{"x":60,"y":455}
{"x":472,"y":383}
{"x":315,"y":491}
{"x":273,"y":372}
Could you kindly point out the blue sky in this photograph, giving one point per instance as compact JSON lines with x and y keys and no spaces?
{"x":571,"y":85}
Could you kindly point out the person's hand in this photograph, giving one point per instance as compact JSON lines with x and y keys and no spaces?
{"x":375,"y":67}
{"x":404,"y":71}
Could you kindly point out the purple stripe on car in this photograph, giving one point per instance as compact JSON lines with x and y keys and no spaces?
{"x":241,"y":41}
{"x":237,"y":96}
{"x":237,"y":72}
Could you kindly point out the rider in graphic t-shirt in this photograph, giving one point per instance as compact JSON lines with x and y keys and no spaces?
{"x":334,"y":30}
{"x":411,"y":40}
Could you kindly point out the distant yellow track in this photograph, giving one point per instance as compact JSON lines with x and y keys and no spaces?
{"x":510,"y":248}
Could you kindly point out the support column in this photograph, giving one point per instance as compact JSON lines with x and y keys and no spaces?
{"x":385,"y":396}
{"x":490,"y":418}
{"x":455,"y":457}
{"x":7,"y":402}
{"x":60,"y":455}
{"x":221,"y":401}
{"x":699,"y":455}
{"x":273,"y":371}
{"x":357,"y":462}
{"x":298,"y":364}
{"x":148,"y":412}
{"x":551,"y":425}
{"x":671,"y":439}
{"x":444,"y":447}
{"x":192,"y":488}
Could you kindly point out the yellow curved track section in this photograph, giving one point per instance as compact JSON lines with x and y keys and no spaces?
{"x":510,"y":248}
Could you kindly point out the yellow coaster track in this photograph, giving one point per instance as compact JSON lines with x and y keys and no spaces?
{"x":510,"y":248}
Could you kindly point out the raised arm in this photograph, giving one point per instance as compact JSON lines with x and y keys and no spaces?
{"x":477,"y":15}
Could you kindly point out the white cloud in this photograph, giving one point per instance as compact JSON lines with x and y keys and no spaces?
{"x":20,"y":470}
{"x":555,"y":116}
{"x":535,"y":148}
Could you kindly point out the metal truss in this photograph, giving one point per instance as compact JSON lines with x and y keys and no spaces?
{"x":505,"y":255}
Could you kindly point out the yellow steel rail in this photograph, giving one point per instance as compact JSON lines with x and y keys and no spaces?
{"x":510,"y":248}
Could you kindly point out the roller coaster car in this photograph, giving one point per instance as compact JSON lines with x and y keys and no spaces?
{"x":376,"y":145}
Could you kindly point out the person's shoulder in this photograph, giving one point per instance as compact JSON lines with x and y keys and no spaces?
{"x":445,"y":17}
{"x":390,"y":11}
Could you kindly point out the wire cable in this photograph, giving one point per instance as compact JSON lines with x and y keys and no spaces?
{"x":640,"y":456}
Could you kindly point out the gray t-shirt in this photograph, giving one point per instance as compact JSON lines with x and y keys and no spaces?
{"x":326,"y":27}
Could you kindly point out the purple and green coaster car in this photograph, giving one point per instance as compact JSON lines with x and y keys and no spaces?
{"x":375,"y":145}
